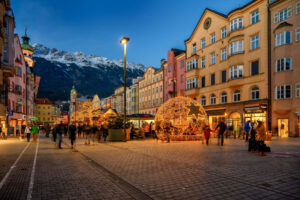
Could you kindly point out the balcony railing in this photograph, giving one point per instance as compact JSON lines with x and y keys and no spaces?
{"x":236,"y":52}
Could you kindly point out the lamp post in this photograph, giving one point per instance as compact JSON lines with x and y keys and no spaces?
{"x":124,"y":41}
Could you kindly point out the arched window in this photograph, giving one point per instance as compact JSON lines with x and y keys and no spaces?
{"x":213,"y":99}
{"x":203,"y":101}
{"x":224,"y":97}
{"x":254,"y":93}
{"x":236,"y":96}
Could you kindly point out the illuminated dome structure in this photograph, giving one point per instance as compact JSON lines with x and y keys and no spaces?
{"x":180,"y":118}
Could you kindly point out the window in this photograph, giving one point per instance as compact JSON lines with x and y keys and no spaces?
{"x":283,"y":92}
{"x":236,"y":96}
{"x":255,"y":93}
{"x":254,"y":67}
{"x":283,"y":15}
{"x":213,"y":99}
{"x":161,"y":88}
{"x":212,"y":79}
{"x":224,"y":54}
{"x":170,"y":67}
{"x":203,"y":101}
{"x":254,"y":17}
{"x":297,"y":34}
{"x":182,"y":78}
{"x":236,"y":47}
{"x":254,"y":42}
{"x":19,"y":71}
{"x":192,"y":83}
{"x":212,"y":38}
{"x":212,"y":58}
{"x":202,"y":43}
{"x":283,"y":64}
{"x":236,"y":24}
{"x":283,"y":38}
{"x":236,"y":72}
{"x":223,"y":76}
{"x":298,"y":8}
{"x":224,"y":97}
{"x":223,"y":33}
{"x":202,"y":62}
{"x":194,"y":47}
{"x":192,"y":64}
{"x":297,"y":88}
{"x":182,"y":64}
{"x":203,"y":81}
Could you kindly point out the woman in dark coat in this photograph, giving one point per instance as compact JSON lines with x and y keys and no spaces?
{"x":252,"y":140}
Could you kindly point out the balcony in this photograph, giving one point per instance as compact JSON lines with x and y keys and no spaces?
{"x":236,"y":53}
{"x":192,"y":73}
{"x":8,"y":70}
{"x":192,"y":92}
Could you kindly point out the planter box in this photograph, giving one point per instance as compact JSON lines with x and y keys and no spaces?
{"x":117,"y":134}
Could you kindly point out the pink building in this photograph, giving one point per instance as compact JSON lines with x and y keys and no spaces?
{"x":174,"y":74}
{"x":17,"y":91}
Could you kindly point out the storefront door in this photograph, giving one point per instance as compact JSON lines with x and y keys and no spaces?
{"x":283,"y":127}
{"x":235,"y":125}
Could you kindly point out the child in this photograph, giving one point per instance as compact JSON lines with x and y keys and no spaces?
{"x":207,"y":134}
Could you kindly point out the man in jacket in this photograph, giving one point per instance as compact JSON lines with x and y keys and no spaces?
{"x":72,"y":133}
{"x":247,"y":129}
{"x":59,"y":131}
{"x":222,"y":129}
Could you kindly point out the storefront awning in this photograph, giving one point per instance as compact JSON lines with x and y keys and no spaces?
{"x":297,"y":113}
{"x":215,"y":112}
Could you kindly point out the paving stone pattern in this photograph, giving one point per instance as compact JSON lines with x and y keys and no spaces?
{"x":192,"y":170}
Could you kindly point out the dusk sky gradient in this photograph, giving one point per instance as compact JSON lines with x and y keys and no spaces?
{"x":96,"y":26}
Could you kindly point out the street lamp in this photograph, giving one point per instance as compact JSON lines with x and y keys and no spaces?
{"x":124,"y":41}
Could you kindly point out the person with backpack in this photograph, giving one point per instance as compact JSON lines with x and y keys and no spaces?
{"x":247,"y":129}
{"x":72,"y":134}
{"x":222,"y":128}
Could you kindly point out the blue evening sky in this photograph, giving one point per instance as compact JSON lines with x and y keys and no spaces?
{"x":96,"y":26}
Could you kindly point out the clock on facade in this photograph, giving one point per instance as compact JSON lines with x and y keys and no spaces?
{"x":207,"y":23}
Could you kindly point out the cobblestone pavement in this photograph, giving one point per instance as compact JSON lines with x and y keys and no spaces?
{"x":59,"y":174}
{"x":192,"y":170}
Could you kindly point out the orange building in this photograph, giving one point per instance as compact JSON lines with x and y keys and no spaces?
{"x":285,"y":69}
{"x":227,"y":65}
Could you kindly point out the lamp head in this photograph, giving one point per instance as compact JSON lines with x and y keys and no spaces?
{"x":124,"y":40}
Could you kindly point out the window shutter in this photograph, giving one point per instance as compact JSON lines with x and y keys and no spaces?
{"x":275,"y":93}
{"x":298,"y":8}
{"x":289,"y":12}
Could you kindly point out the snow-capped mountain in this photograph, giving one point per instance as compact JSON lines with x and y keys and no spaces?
{"x":59,"y":70}
{"x":79,"y":58}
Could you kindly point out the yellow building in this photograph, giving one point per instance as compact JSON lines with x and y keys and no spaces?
{"x":151,"y":91}
{"x":227,"y":64}
{"x":46,"y":111}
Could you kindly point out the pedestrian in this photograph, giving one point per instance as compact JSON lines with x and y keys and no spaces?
{"x":94,"y":132}
{"x":252,"y":141}
{"x":72,"y":134}
{"x":1,"y":132}
{"x":153,"y":130}
{"x":207,"y":134}
{"x":261,"y":137}
{"x":146,"y":129}
{"x":59,"y":131}
{"x":34,"y":132}
{"x":47,"y":129}
{"x":222,"y":128}
{"x":23,"y":131}
{"x":28,"y":133}
{"x":87,"y":130}
{"x":65,"y":127}
{"x":79,"y":130}
{"x":247,"y":129}
{"x":132,"y":131}
{"x":54,"y":133}
{"x":105,"y":131}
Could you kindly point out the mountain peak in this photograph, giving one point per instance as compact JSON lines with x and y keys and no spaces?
{"x":79,"y":58}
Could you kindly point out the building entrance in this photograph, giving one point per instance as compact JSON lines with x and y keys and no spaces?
{"x":283,"y":127}
{"x":234,"y":124}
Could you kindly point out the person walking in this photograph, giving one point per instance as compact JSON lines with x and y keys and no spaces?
{"x":247,"y":129}
{"x":87,"y":130}
{"x":28,"y":133}
{"x":261,"y":137}
{"x":94,"y":132}
{"x":207,"y":134}
{"x":252,"y":141}
{"x":72,"y":134}
{"x":54,"y":133}
{"x":79,"y":130}
{"x":105,"y":131}
{"x":222,"y":128}
{"x":34,"y":132}
{"x":59,"y":131}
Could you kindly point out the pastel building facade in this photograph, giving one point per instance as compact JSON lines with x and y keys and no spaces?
{"x":151,"y":91}
{"x":227,"y":65}
{"x":174,"y":73}
{"x":285,"y":67}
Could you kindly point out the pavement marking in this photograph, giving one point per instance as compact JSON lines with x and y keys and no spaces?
{"x":30,"y":188}
{"x":12,"y":167}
